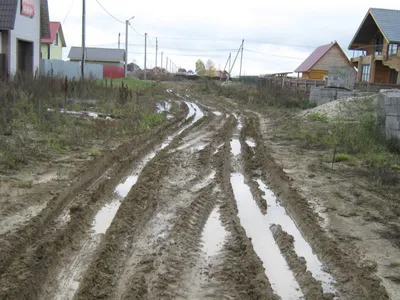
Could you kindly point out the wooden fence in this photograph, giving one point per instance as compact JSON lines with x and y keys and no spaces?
{"x":300,"y":84}
{"x":306,"y":84}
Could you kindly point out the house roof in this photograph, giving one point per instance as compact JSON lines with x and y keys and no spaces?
{"x":8,"y":11}
{"x":387,"y":21}
{"x":44,"y":19}
{"x":314,"y":57}
{"x":98,"y":54}
{"x":54,"y":28}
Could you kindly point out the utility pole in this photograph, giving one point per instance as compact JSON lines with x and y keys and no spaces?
{"x":83,"y":38}
{"x":145,"y":54}
{"x":162,"y":53}
{"x":230,"y":57}
{"x":126,"y":46}
{"x":234,"y":61}
{"x":119,"y":40}
{"x":156,"y":51}
{"x":241,"y":60}
{"x":166,"y":65}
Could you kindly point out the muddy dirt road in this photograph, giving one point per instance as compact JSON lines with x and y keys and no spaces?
{"x":195,"y":209}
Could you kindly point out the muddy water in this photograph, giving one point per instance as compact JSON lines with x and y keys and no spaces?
{"x":277,"y":215}
{"x":195,"y":111}
{"x":214,"y":234}
{"x":256,"y":226}
{"x":105,"y":216}
{"x":70,"y":278}
{"x":250,"y":143}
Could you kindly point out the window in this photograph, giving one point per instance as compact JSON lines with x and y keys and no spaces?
{"x":378,"y":47}
{"x":56,"y":43}
{"x":393,"y":49}
{"x":365,"y":73}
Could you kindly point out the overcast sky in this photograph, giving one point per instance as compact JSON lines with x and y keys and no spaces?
{"x":278,"y":35}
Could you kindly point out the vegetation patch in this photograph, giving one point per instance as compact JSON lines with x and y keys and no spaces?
{"x":42,"y":117}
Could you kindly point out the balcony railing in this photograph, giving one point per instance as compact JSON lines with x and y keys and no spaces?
{"x":377,"y":50}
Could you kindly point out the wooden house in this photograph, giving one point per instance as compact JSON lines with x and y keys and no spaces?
{"x":316,"y":66}
{"x":377,"y":44}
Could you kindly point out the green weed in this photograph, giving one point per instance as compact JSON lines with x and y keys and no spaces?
{"x":317,"y":117}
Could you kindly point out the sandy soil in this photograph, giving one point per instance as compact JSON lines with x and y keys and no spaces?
{"x":207,"y":206}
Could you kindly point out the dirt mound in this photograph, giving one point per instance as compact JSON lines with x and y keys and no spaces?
{"x":348,"y":108}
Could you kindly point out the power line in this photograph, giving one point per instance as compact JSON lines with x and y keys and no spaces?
{"x":276,"y":55}
{"x":135,"y":30}
{"x":109,"y":12}
{"x":68,"y":12}
{"x":236,"y":40}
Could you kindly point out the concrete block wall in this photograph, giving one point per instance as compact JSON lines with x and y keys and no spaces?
{"x":342,"y":77}
{"x":388,"y":116}
{"x":321,"y":96}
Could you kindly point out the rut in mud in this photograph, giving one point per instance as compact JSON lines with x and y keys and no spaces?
{"x":183,"y":212}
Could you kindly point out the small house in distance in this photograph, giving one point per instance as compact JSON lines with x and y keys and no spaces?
{"x":113,"y":60}
{"x":98,"y":55}
{"x":316,"y":66}
{"x":376,"y":47}
{"x":52,"y":47}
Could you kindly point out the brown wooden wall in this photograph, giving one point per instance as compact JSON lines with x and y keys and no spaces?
{"x":315,"y":74}
{"x":382,"y":73}
{"x":333,"y":58}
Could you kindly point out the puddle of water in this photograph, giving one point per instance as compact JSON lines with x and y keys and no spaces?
{"x":105,"y":216}
{"x":217,"y":113}
{"x":236,"y":148}
{"x":165,"y":106}
{"x":277,"y":215}
{"x":93,"y":114}
{"x":256,"y":226}
{"x":214,"y":234}
{"x":217,"y":150}
{"x":123,"y":189}
{"x":192,"y":111}
{"x":250,"y":143}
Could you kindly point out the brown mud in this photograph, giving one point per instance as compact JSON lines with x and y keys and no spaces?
{"x":155,"y":245}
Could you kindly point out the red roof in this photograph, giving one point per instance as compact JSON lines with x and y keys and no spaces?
{"x":54,"y":26}
{"x":314,"y":57}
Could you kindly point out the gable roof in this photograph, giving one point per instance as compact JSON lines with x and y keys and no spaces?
{"x":98,"y":54}
{"x":8,"y":11}
{"x":44,"y":19}
{"x":54,"y":28}
{"x":315,"y":57}
{"x":386,"y":20}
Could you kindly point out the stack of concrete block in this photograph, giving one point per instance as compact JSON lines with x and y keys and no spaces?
{"x":342,"y":77}
{"x":321,"y":96}
{"x":388,"y":116}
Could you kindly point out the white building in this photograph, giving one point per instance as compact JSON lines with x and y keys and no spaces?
{"x":22,"y":25}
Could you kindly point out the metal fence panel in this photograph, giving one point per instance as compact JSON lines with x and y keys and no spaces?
{"x":71,"y":69}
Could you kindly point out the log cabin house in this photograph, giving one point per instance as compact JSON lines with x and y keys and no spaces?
{"x":376,"y":47}
{"x":317,"y":65}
